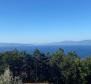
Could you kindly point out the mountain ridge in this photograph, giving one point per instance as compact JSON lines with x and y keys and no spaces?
{"x":83,"y":42}
{"x":14,"y":44}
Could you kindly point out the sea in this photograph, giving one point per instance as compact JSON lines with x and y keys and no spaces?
{"x":81,"y":50}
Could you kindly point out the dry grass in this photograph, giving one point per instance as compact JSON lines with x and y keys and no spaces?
{"x":7,"y":78}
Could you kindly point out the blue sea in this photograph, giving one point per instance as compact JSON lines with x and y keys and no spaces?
{"x":81,"y":50}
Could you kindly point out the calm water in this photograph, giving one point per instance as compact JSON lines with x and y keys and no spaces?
{"x":82,"y":51}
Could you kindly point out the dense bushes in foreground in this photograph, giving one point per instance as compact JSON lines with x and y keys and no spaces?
{"x":56,"y":68}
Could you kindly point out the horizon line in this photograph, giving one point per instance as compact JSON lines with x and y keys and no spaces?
{"x":35,"y":43}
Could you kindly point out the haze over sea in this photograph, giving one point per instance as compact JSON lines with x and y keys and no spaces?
{"x":81,"y":50}
{"x":44,"y":21}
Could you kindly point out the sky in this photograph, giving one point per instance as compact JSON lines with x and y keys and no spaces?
{"x":44,"y":21}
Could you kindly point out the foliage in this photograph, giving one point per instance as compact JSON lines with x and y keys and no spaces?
{"x":57,"y":68}
{"x":7,"y":78}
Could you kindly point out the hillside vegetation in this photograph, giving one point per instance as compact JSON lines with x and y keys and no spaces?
{"x":56,"y":68}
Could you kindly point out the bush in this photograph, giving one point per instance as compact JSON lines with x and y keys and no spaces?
{"x":7,"y":78}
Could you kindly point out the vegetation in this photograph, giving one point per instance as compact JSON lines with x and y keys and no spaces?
{"x":7,"y":78}
{"x":56,"y":68}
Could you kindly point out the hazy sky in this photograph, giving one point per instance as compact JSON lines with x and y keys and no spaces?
{"x":41,"y":21}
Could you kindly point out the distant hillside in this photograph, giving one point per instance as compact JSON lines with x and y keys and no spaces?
{"x":14,"y":44}
{"x":84,"y":42}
